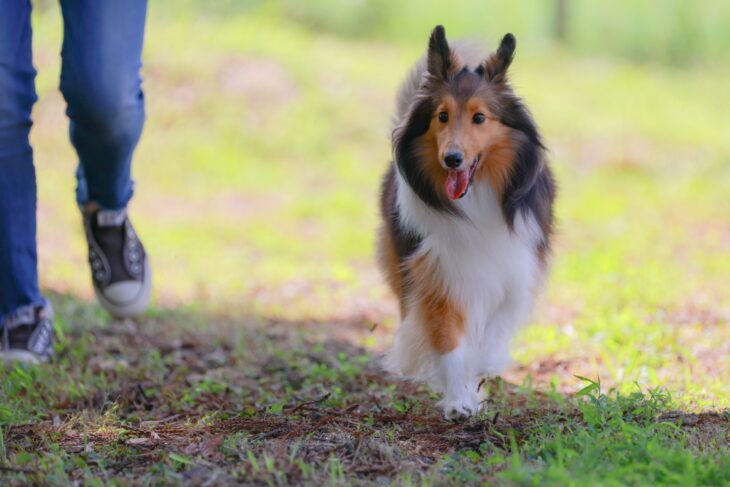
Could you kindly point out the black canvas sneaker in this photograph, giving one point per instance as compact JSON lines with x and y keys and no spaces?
{"x":27,"y":335}
{"x":120,"y":270}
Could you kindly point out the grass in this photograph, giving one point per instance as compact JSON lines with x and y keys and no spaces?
{"x":166,"y":401}
{"x":257,"y":177}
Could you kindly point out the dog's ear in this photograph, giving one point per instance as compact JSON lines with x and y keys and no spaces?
{"x":495,"y":67}
{"x":439,"y":53}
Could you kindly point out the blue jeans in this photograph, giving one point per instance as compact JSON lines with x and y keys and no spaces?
{"x":101,"y":53}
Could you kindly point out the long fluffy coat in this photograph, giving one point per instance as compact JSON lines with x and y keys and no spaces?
{"x":465,"y":270}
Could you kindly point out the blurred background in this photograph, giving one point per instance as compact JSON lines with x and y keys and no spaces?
{"x":268,"y":130}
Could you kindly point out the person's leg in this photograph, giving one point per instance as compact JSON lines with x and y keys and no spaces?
{"x":102,"y":52}
{"x":18,"y":262}
{"x":26,"y":329}
{"x":100,"y":80}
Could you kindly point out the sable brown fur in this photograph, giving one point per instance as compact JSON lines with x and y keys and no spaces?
{"x":466,"y":220}
{"x":514,"y":166}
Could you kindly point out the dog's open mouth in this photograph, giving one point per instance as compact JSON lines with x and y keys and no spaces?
{"x":458,"y":182}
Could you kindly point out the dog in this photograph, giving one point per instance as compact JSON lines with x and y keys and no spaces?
{"x":467,"y":217}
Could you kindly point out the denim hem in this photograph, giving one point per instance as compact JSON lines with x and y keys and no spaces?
{"x":82,"y":207}
{"x":83,"y":199}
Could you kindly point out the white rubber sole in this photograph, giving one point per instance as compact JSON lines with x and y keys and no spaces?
{"x":135,"y":305}
{"x":19,"y":356}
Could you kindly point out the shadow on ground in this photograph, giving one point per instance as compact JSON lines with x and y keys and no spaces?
{"x":202,"y":398}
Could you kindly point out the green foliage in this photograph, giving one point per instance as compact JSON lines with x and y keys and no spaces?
{"x":621,"y":441}
{"x":673,"y":32}
{"x":257,"y":190}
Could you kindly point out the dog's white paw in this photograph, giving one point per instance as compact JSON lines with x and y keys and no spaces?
{"x":460,"y":408}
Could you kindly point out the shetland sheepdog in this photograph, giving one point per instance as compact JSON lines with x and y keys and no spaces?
{"x":467,"y":217}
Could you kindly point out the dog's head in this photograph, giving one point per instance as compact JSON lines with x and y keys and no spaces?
{"x":466,"y":132}
{"x":465,"y":125}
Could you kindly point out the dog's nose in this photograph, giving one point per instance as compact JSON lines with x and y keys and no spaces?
{"x":453,"y":159}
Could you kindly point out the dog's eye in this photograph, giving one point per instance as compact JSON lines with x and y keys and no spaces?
{"x":479,"y":118}
{"x":443,"y":117}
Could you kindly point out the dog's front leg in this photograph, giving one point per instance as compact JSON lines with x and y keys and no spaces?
{"x":445,"y":323}
{"x":461,"y":398}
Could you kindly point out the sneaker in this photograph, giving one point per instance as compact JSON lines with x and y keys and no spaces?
{"x":120,"y":270}
{"x":27,"y":335}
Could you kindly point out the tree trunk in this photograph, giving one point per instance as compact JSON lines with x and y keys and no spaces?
{"x":561,"y":20}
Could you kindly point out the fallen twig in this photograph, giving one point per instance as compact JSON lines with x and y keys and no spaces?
{"x":309,"y":403}
{"x":152,"y":423}
{"x":4,"y":468}
{"x":352,"y":408}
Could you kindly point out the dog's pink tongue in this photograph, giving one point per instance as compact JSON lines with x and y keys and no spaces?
{"x":456,"y":183}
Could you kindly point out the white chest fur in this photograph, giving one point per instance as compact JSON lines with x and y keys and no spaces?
{"x":488,"y":269}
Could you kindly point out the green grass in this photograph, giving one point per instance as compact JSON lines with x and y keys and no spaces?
{"x":166,"y":401}
{"x":257,"y":185}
